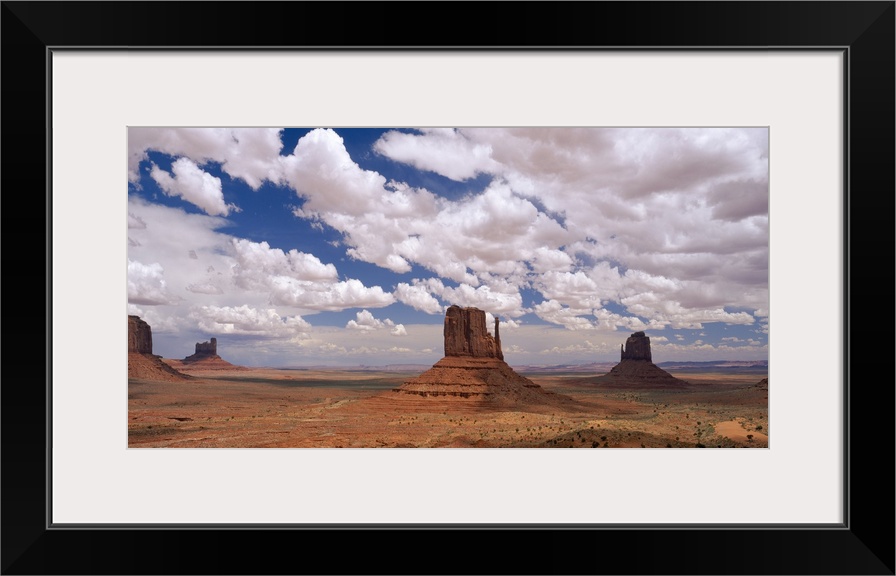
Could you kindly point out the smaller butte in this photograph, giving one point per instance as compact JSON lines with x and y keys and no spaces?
{"x":204,"y":358}
{"x":636,"y":368}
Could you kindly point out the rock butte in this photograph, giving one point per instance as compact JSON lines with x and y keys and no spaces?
{"x":636,"y":368}
{"x":142,"y":363}
{"x":204,"y":350}
{"x":204,"y":358}
{"x":474,"y":367}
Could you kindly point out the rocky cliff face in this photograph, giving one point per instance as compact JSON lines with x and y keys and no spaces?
{"x":466,"y":334}
{"x":139,"y":336}
{"x":142,"y":364}
{"x":637,"y":347}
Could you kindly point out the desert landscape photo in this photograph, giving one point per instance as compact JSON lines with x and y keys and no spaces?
{"x":447,"y":288}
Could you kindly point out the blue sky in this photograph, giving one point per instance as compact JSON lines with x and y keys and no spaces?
{"x":344,"y":246}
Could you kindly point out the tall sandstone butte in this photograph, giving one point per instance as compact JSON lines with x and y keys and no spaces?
{"x":466,"y":335}
{"x":637,"y":347}
{"x":474,"y":368}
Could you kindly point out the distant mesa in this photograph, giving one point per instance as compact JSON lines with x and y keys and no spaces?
{"x":204,"y":358}
{"x":636,"y":368}
{"x":204,"y":350}
{"x":142,"y":363}
{"x":474,"y":367}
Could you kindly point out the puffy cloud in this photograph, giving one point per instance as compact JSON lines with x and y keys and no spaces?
{"x":613,"y":321}
{"x":395,"y":226}
{"x":365,"y":322}
{"x":250,"y":154}
{"x":321,"y":171}
{"x":685,"y":206}
{"x":503,"y":300}
{"x":571,"y":318}
{"x":496,"y":232}
{"x":615,"y":228}
{"x":662,"y":310}
{"x":380,"y":219}
{"x":418,"y":297}
{"x":445,"y":151}
{"x":171,"y":238}
{"x":146,"y":284}
{"x":298,"y":279}
{"x":193,"y":185}
{"x":549,"y":260}
{"x":333,"y":297}
{"x":257,"y":263}
{"x":248,"y":321}
{"x":505,"y":322}
{"x":573,"y":289}
{"x":160,"y":322}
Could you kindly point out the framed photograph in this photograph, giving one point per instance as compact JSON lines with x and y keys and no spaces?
{"x":814,"y":80}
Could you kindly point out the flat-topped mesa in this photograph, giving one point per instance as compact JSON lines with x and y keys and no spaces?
{"x":204,"y":359}
{"x":637,"y":347}
{"x":139,"y":336}
{"x":466,"y":334}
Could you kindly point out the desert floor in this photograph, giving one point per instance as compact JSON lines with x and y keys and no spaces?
{"x":352,"y":409}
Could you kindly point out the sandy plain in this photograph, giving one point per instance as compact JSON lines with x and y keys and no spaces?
{"x":273,"y":408}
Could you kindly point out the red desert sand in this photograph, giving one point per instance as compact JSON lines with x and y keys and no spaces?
{"x":470,"y":399}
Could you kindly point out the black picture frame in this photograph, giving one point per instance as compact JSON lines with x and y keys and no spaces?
{"x":864,"y":31}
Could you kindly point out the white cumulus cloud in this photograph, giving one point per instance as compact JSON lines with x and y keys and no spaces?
{"x":193,"y":185}
{"x":571,"y":318}
{"x":418,"y":297}
{"x":146,"y":284}
{"x":250,"y":154}
{"x":365,"y":322}
{"x":245,"y":320}
{"x":445,"y":151}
